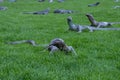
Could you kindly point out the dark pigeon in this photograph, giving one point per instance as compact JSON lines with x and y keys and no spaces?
{"x":92,"y":5}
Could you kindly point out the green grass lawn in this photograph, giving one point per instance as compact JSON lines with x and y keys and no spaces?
{"x":98,"y":52}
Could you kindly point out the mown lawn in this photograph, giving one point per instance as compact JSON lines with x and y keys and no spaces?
{"x":98,"y":52}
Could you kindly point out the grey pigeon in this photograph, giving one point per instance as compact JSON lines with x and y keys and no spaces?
{"x":1,"y":0}
{"x":46,"y":11}
{"x":50,"y":1}
{"x":3,"y":8}
{"x":60,"y":0}
{"x":12,"y":0}
{"x":62,"y":11}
